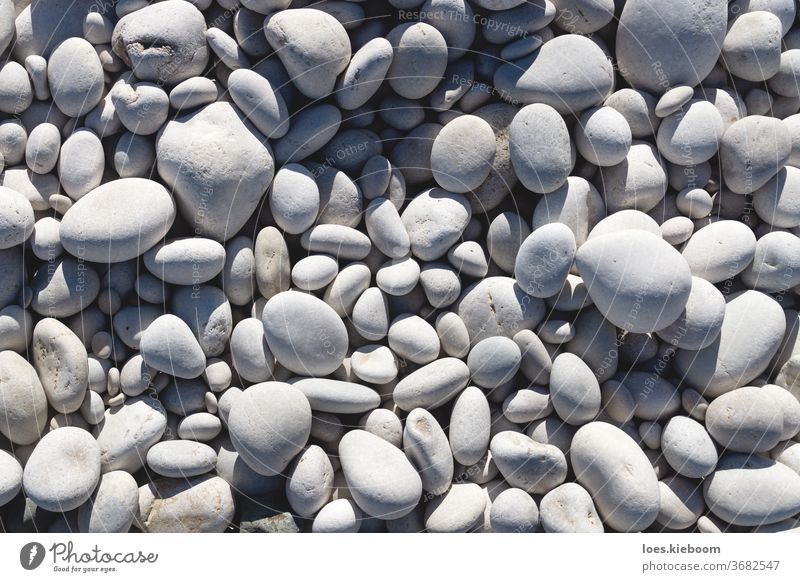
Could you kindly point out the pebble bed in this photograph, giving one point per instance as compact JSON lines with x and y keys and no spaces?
{"x":399,"y":266}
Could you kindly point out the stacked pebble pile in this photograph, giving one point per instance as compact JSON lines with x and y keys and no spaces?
{"x":444,"y":266}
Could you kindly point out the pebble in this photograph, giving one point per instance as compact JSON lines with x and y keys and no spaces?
{"x":533,"y":467}
{"x":309,"y":482}
{"x":778,"y":201}
{"x":514,"y":511}
{"x":71,"y":454}
{"x":338,"y":516}
{"x":186,"y":261}
{"x":691,"y":135}
{"x":615,"y":471}
{"x":603,"y":136}
{"x":382,"y":481}
{"x":638,"y":182}
{"x":470,"y":424}
{"x":128,"y":431}
{"x":75,"y":77}
{"x":752,"y":151}
{"x":569,"y":509}
{"x":463,"y":153}
{"x":313,"y":47}
{"x":337,"y":396}
{"x":364,"y":74}
{"x":720,"y":250}
{"x":168,"y":345}
{"x":544,"y":260}
{"x":688,"y":448}
{"x":432,"y":385}
{"x":304,"y":333}
{"x":459,"y":510}
{"x":745,"y":420}
{"x":60,"y":360}
{"x":734,"y":358}
{"x":398,"y":277}
{"x":434,"y":220}
{"x":419,"y":60}
{"x":11,"y":480}
{"x":202,"y":504}
{"x":181,"y":458}
{"x":681,"y":503}
{"x":177,"y":27}
{"x":16,"y":218}
{"x":751,"y":49}
{"x":574,"y":391}
{"x":93,"y":228}
{"x":751,"y":490}
{"x":659,"y":49}
{"x":540,"y":169}
{"x":269,"y":424}
{"x":569,"y":73}
{"x":637,"y":280}
{"x":426,"y":446}
{"x":113,"y":505}
{"x":240,"y":169}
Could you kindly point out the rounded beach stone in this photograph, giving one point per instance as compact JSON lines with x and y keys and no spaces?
{"x":163,"y":42}
{"x":309,"y":131}
{"x":533,"y":467}
{"x":414,"y":339}
{"x":370,"y":316}
{"x":691,"y":135}
{"x":61,"y":362}
{"x":752,"y":151}
{"x":603,"y":136}
{"x":117,"y":221}
{"x":720,"y":250}
{"x":569,"y":73}
{"x":314,"y":272}
{"x":16,"y":218}
{"x":618,"y":475}
{"x":80,"y":163}
{"x":168,"y":345}
{"x":638,"y":182}
{"x":419,"y":61}
{"x":638,"y":281}
{"x":294,"y":199}
{"x":751,"y":490}
{"x":775,"y":265}
{"x":42,"y":148}
{"x":112,"y":507}
{"x":338,"y":240}
{"x":544,"y":260}
{"x":658,"y":49}
{"x":638,"y":108}
{"x":186,"y":261}
{"x":541,"y":163}
{"x":338,"y":516}
{"x":63,"y":470}
{"x":701,"y":320}
{"x":752,"y":46}
{"x":214,"y":149}
{"x":202,"y":504}
{"x":263,"y":106}
{"x":778,"y":201}
{"x":435,"y":220}
{"x":269,"y":424}
{"x":569,"y":509}
{"x":672,"y":101}
{"x":498,"y":306}
{"x":574,"y":391}
{"x":313,"y":47}
{"x":745,"y":420}
{"x":383,"y":423}
{"x":365,"y":74}
{"x":681,"y":503}
{"x":75,"y":77}
{"x":433,"y":385}
{"x":10,"y":477}
{"x":309,"y":483}
{"x":272,"y":262}
{"x":426,"y":446}
{"x":459,"y":510}
{"x":304,"y":333}
{"x":514,"y":511}
{"x":493,"y":361}
{"x":470,"y":426}
{"x":382,"y":481}
{"x":398,"y":277}
{"x":181,"y":458}
{"x":337,"y":396}
{"x":735,"y":358}
{"x":688,"y":448}
{"x":128,"y":431}
{"x":463,"y":153}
